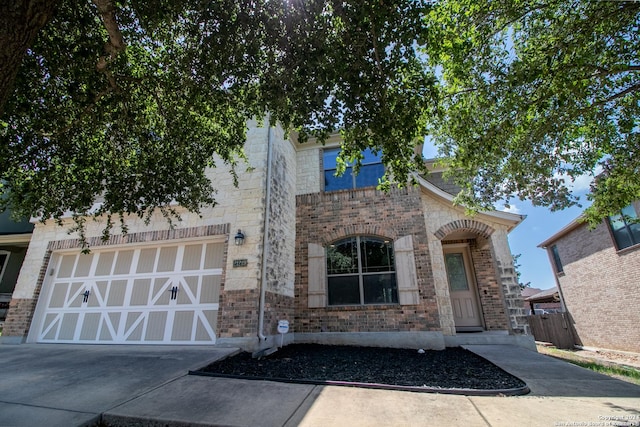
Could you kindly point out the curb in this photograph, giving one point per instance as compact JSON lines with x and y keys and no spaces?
{"x":518,"y":391}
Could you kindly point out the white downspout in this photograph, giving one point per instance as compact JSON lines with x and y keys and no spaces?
{"x":265,"y":235}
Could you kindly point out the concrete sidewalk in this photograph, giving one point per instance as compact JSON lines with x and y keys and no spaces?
{"x":73,"y":385}
{"x":561,"y":393}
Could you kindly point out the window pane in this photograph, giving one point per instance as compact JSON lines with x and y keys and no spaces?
{"x":369,"y":175}
{"x":344,"y":290}
{"x":456,"y":272}
{"x":623,"y":239}
{"x":556,"y":259}
{"x":616,"y":222}
{"x":369,"y":157}
{"x":380,"y":288}
{"x":342,"y":257}
{"x":377,"y":255}
{"x":329,"y":158}
{"x":635,"y":232}
{"x":334,"y":183}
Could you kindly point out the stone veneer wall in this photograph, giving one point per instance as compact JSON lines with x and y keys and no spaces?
{"x":326,"y":217}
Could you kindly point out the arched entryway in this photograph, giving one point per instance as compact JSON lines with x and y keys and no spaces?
{"x":461,"y":241}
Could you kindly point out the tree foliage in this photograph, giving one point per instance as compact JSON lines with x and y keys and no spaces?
{"x":536,"y":94}
{"x":127,"y":102}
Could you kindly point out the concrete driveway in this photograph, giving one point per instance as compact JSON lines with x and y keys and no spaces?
{"x":71,"y":385}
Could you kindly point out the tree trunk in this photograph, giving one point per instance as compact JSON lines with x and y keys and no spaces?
{"x":20,"y":21}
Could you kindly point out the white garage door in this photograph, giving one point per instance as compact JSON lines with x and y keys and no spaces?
{"x":147,"y":295}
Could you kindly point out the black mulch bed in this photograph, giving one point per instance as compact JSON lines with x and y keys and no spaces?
{"x":452,"y":368}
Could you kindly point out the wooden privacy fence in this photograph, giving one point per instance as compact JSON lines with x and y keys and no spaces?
{"x":555,"y":328}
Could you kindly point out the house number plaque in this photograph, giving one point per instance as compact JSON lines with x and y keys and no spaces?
{"x":239,"y":263}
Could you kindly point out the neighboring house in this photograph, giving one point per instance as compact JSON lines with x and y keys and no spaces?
{"x":14,"y":240}
{"x":340,"y":261}
{"x":597,"y":272}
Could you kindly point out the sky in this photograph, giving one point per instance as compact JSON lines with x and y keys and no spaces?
{"x":538,"y":226}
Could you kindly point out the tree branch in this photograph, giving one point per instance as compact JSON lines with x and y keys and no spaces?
{"x":627,"y":91}
{"x":107,"y":11}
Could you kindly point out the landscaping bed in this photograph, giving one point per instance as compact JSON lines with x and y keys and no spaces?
{"x":432,"y":370}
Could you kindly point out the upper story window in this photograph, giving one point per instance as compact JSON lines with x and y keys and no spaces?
{"x":361,"y":270}
{"x":556,"y":259}
{"x":626,"y":231}
{"x":371,"y":170}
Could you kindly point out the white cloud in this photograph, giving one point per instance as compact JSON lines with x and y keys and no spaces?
{"x":511,"y":209}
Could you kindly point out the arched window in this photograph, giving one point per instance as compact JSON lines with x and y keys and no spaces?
{"x":361,"y":270}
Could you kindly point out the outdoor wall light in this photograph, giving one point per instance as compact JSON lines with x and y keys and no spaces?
{"x":239,"y":238}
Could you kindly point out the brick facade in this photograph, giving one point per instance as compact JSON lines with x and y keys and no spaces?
{"x":325,"y":217}
{"x":599,"y":287}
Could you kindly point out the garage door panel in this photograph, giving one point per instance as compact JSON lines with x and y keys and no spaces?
{"x":206,"y":325}
{"x":156,"y":326}
{"x":210,"y":292}
{"x":98,"y":294}
{"x":50,"y":327}
{"x":214,"y":256}
{"x":182,"y":326}
{"x":146,"y":260}
{"x":140,"y":292}
{"x":75,"y":296}
{"x":133,"y":326}
{"x":109,"y":326}
{"x":58,"y":295}
{"x":124,"y":260}
{"x":167,"y":259}
{"x":68,"y":326}
{"x":83,"y":266}
{"x":90,"y":324}
{"x":192,"y":258}
{"x":165,"y":294}
{"x":161,"y":291}
{"x":67,"y":263}
{"x":105,"y":263}
{"x":117,"y":292}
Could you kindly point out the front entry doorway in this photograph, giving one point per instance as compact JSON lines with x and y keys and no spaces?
{"x":463,"y":290}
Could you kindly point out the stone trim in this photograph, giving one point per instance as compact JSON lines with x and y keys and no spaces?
{"x":471,"y":225}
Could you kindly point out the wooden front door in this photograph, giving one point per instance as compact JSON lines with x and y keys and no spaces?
{"x":462,"y":288}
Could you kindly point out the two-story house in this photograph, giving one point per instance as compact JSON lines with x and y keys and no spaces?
{"x":339,"y":260}
{"x":597,"y":273}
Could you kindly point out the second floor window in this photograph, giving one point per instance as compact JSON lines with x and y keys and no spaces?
{"x":625,"y":228}
{"x":371,"y":170}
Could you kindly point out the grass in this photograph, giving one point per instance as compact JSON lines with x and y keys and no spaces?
{"x":611,"y":369}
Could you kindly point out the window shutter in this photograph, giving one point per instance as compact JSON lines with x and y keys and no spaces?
{"x":406,"y":271}
{"x":317,"y":289}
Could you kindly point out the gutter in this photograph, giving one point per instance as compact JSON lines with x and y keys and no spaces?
{"x":265,"y":235}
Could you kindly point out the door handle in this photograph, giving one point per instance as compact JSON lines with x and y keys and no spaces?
{"x":174,"y":292}
{"x":85,"y":295}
